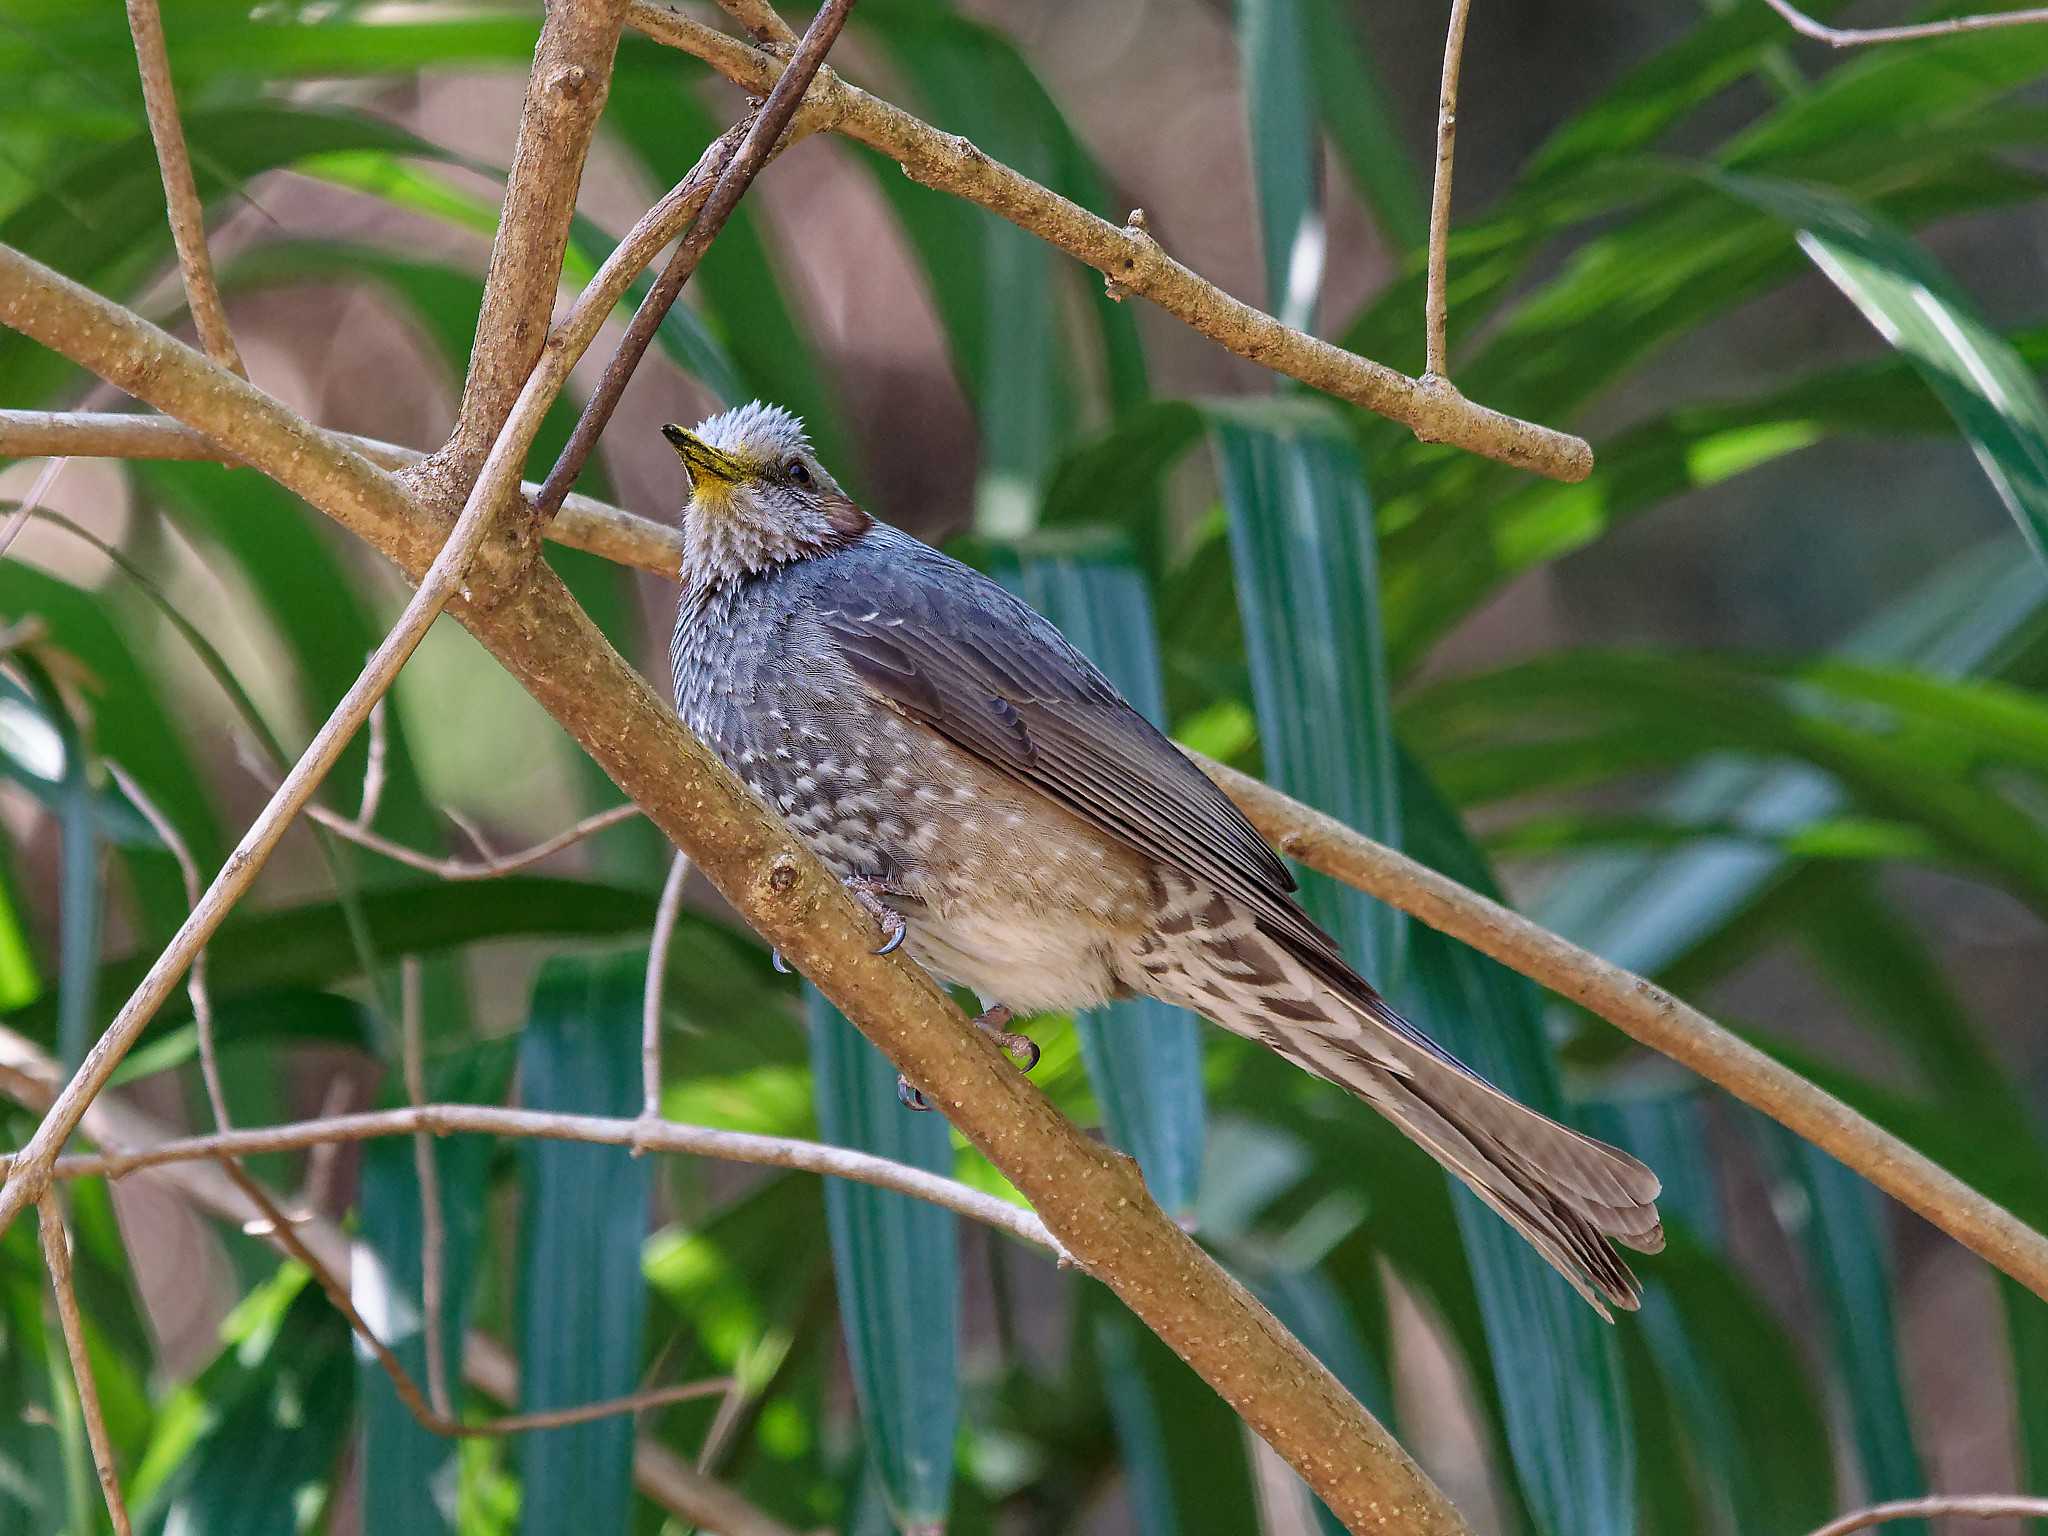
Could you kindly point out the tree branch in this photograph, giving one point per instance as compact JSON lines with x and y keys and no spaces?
{"x":1648,"y":1014}
{"x":1854,"y":37}
{"x":181,"y":193}
{"x":736,"y":158}
{"x":1436,"y":309}
{"x":665,"y":913}
{"x":57,"y":1257}
{"x":1090,"y":1198}
{"x":582,"y":523}
{"x":1132,"y":260}
{"x":565,"y":96}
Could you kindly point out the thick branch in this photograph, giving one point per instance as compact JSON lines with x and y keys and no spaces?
{"x":1647,"y":1013}
{"x":582,"y":523}
{"x":181,"y":192}
{"x":565,"y":95}
{"x":1090,"y":1198}
{"x":1133,"y":261}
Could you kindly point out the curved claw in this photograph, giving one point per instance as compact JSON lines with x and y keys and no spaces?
{"x":1018,"y":1046}
{"x":781,"y":965}
{"x":909,"y":1097}
{"x":1021,"y":1049}
{"x":895,"y":940}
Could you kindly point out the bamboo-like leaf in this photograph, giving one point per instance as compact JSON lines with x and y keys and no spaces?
{"x":1845,"y":1251}
{"x":1556,"y":1363}
{"x":897,"y":1267}
{"x":277,"y":1409}
{"x":1308,"y":590}
{"x":1144,"y":1058}
{"x":32,"y":1476}
{"x":1917,"y":308}
{"x":80,"y":896}
{"x":1351,"y":99}
{"x":582,"y":1301}
{"x":1274,"y":48}
{"x":408,"y":1476}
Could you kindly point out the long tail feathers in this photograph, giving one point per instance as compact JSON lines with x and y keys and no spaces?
{"x":1566,"y":1193}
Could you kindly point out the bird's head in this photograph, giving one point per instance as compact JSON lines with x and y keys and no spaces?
{"x":758,"y":495}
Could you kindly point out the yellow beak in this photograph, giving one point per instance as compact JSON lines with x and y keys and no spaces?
{"x":700,"y":458}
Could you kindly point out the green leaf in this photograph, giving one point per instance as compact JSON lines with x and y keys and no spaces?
{"x":32,"y":1475}
{"x":1144,"y":1058}
{"x":1643,"y":911}
{"x":1556,"y":1364}
{"x":1351,"y":99}
{"x":1844,"y":1244}
{"x":79,"y":895}
{"x":582,"y":1302}
{"x":1917,"y":308}
{"x":101,"y":218}
{"x":1301,"y":538}
{"x":1279,"y":102}
{"x":897,"y":1265}
{"x":310,"y":945}
{"x":407,"y":1475}
{"x":277,"y":1410}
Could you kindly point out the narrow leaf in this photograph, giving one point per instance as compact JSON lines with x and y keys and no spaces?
{"x":897,"y":1267}
{"x":582,"y":1301}
{"x":1279,"y":100}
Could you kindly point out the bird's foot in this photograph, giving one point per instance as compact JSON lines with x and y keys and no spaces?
{"x":993,"y":1022}
{"x":1018,"y":1046}
{"x":869,"y":894}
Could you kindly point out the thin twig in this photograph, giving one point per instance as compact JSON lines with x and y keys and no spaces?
{"x":665,"y":914}
{"x":433,"y":1233}
{"x":195,"y":978}
{"x":495,"y":1120}
{"x":181,"y":192}
{"x":375,"y":770}
{"x":1436,"y":307}
{"x":471,"y":869}
{"x":735,"y":175}
{"x":57,"y":1256}
{"x":32,"y":504}
{"x":1646,"y":1013}
{"x":1940,"y":1506}
{"x":583,"y":522}
{"x":1855,"y":37}
{"x":1132,"y":260}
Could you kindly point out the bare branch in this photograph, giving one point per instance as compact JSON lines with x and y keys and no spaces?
{"x":374,"y":767}
{"x":1436,"y":309}
{"x":181,"y":193}
{"x":471,"y":869}
{"x":565,"y":95}
{"x":1133,"y":261}
{"x":582,"y":523}
{"x":1093,"y":1200}
{"x":1940,"y":1506}
{"x":496,"y":1120}
{"x":736,"y":168}
{"x":32,"y":504}
{"x":57,"y":1256}
{"x":1854,"y":37}
{"x":657,"y":972}
{"x":1646,"y":1013}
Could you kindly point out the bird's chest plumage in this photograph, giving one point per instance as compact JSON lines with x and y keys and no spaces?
{"x":1005,"y":891}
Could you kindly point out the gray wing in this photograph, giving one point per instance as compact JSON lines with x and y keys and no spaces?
{"x":943,"y":645}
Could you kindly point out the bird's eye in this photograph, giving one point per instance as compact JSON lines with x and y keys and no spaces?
{"x":796,"y":471}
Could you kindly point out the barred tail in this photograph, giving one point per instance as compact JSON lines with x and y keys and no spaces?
{"x":1565,"y":1192}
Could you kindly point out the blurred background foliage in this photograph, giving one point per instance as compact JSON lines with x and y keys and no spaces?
{"x":1753,"y":710}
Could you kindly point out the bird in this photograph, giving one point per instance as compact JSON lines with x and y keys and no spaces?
{"x":1019,"y":829}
